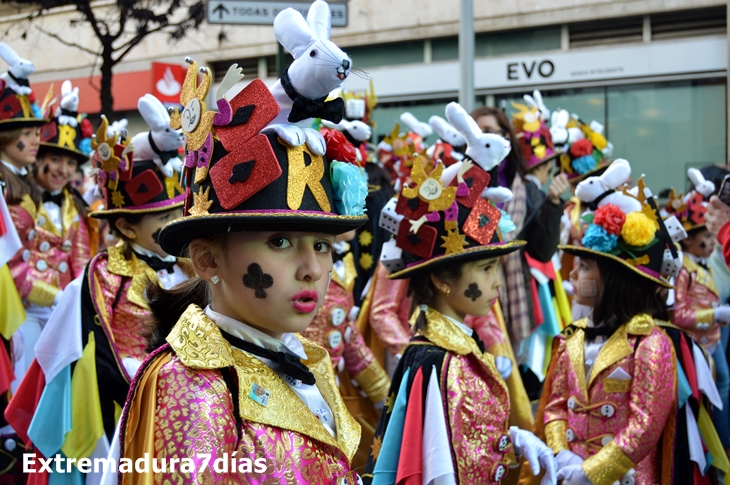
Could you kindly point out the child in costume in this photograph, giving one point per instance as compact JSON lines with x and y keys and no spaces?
{"x":260,"y":218}
{"x":613,"y":397}
{"x":446,"y":416}
{"x":335,"y":328}
{"x":95,"y":341}
{"x":697,"y":306}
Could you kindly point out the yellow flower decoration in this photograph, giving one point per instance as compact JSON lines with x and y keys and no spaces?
{"x":195,"y":121}
{"x":104,"y":147}
{"x":598,"y":140}
{"x":429,"y":187}
{"x":638,"y":230}
{"x":526,"y":118}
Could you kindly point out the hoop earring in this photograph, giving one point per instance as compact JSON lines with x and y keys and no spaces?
{"x":215,"y":279}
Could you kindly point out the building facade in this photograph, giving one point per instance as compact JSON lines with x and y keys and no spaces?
{"x":654,"y":72}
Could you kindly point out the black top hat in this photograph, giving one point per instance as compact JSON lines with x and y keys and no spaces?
{"x":66,"y":139}
{"x":16,"y":110}
{"x":241,"y":180}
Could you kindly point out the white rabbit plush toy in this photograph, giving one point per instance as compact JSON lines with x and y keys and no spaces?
{"x":599,"y":191}
{"x":357,"y":130}
{"x":449,"y":140}
{"x":420,"y":128}
{"x":68,"y":110}
{"x":704,"y":187}
{"x":319,"y":67}
{"x":535,"y":101}
{"x":486,"y":150}
{"x":16,"y":77}
{"x":120,"y":128}
{"x":161,"y":143}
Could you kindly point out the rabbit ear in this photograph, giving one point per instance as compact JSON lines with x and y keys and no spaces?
{"x":695,"y":176}
{"x":463,"y":122}
{"x":149,"y":108}
{"x":76,"y":91}
{"x":7,"y":53}
{"x":292,"y":31}
{"x":66,"y":88}
{"x":530,"y":101}
{"x":438,"y":124}
{"x":409,"y":120}
{"x":616,"y":173}
{"x":319,"y":19}
{"x":563,"y":118}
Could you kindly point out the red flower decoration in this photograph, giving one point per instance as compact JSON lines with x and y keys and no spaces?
{"x":581,"y":148}
{"x":610,"y":218}
{"x":338,"y":148}
{"x":86,"y":129}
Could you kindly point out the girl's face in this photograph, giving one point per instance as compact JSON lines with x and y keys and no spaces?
{"x":274,"y":281}
{"x":24,"y":150}
{"x":475,"y":292}
{"x":55,"y":170}
{"x":489,"y":124}
{"x":586,"y":279}
{"x":700,"y":244}
{"x":147,"y":230}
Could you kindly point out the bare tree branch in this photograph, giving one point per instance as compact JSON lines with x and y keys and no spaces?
{"x":65,"y":42}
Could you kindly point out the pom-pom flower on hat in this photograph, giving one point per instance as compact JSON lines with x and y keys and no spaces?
{"x":610,"y":218}
{"x":350,"y":188}
{"x":584,"y":164}
{"x":338,"y":147}
{"x":598,"y":140}
{"x":598,"y":239}
{"x":581,"y":148}
{"x":638,"y":230}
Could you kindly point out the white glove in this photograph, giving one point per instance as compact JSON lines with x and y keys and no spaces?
{"x":567,"y":458}
{"x":353,"y":314}
{"x":56,"y":299}
{"x":569,"y":288}
{"x":536,"y":453}
{"x":504,"y":366}
{"x":722,"y":314}
{"x":573,"y":475}
{"x":18,"y":343}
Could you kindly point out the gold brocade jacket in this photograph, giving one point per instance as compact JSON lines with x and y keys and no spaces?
{"x":614,"y":418}
{"x":49,"y":259}
{"x":181,"y":406}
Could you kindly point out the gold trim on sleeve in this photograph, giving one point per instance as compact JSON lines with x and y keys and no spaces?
{"x":608,"y":465}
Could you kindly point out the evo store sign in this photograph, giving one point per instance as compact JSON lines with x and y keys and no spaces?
{"x":642,"y":60}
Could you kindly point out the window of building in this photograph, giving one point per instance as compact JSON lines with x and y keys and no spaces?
{"x":606,"y":31}
{"x":499,"y":43}
{"x":689,"y":23}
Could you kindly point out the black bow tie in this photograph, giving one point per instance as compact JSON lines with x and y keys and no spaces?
{"x":156,"y":263}
{"x":19,"y":81}
{"x":55,"y":198}
{"x":289,"y":362}
{"x":164,"y":155}
{"x":476,"y":338}
{"x":603,"y":331}
{"x":305,"y":108}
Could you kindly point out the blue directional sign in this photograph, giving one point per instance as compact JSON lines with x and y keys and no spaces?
{"x":263,"y":12}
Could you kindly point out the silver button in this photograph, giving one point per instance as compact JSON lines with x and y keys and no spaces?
{"x":569,"y":435}
{"x":63,"y":266}
{"x":571,"y":403}
{"x":348,"y":334}
{"x":26,"y":255}
{"x":334,"y":339}
{"x":66,"y":245}
{"x":41,"y":220}
{"x":606,"y":440}
{"x":44,"y":246}
{"x":41,"y":265}
{"x":607,"y":410}
{"x":337,"y":315}
{"x":31,"y":234}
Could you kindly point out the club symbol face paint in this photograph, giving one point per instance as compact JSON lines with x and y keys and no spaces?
{"x":473,"y":292}
{"x":21,"y":146}
{"x":257,"y":280}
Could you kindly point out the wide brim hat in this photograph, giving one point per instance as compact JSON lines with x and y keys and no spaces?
{"x":460,"y":225}
{"x":585,"y":157}
{"x":238,"y":179}
{"x":66,"y":139}
{"x":622,"y":259}
{"x":16,"y":110}
{"x":575,"y":178}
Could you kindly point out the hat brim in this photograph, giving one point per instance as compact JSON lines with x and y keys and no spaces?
{"x":594,"y":172}
{"x":493,"y":250}
{"x":545,"y":160}
{"x":13,"y":123}
{"x":46,"y":147}
{"x":106,"y":214}
{"x":593,"y":254}
{"x":176,"y":235}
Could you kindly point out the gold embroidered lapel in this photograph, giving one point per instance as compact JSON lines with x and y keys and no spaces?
{"x":576,"y":349}
{"x":617,"y":346}
{"x":702,"y":276}
{"x":445,"y":334}
{"x":140,"y":273}
{"x":348,"y":282}
{"x":200,"y":345}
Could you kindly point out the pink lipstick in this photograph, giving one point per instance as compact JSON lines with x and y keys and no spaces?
{"x":305,"y":301}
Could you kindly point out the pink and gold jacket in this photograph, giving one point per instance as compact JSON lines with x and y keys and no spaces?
{"x":181,"y":404}
{"x":615,"y":417}
{"x":695,"y":299}
{"x":389,"y":311}
{"x":333,"y":330}
{"x":49,"y":259}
